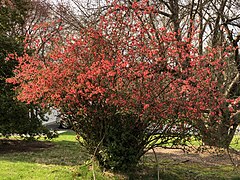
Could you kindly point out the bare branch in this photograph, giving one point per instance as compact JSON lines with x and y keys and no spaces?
{"x":234,"y":81}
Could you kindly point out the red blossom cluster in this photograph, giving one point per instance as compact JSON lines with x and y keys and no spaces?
{"x":128,"y":62}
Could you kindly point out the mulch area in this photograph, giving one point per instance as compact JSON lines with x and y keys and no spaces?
{"x":12,"y":145}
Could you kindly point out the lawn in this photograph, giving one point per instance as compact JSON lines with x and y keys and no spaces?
{"x":63,"y":158}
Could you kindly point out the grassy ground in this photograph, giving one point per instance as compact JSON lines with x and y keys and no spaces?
{"x":65,"y":160}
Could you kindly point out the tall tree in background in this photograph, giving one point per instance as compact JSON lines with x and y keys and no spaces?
{"x":218,"y":24}
{"x":15,"y":116}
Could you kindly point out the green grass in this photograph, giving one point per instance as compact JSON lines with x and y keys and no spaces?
{"x":66,"y":160}
{"x":170,"y":170}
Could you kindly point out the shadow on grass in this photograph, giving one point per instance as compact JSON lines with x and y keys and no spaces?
{"x":64,"y":150}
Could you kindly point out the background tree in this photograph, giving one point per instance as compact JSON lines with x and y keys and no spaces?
{"x":16,"y":117}
{"x":217,"y":23}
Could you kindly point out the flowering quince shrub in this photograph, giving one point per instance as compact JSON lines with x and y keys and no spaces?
{"x":124,"y":80}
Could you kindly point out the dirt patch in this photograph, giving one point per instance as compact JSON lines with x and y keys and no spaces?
{"x":208,"y":157}
{"x":11,"y":146}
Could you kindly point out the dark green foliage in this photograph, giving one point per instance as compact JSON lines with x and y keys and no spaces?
{"x":117,"y":140}
{"x":13,"y":16}
{"x":122,"y":146}
{"x":14,"y":115}
{"x":15,"y":118}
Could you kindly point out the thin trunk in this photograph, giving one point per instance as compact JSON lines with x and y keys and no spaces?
{"x":175,"y":18}
{"x":200,"y":48}
{"x":220,"y":12}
